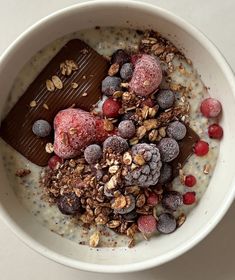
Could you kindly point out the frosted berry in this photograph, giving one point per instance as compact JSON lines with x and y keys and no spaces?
{"x":147,"y":224}
{"x":201,"y":148}
{"x":111,"y":108}
{"x":166,"y":223}
{"x":129,"y":207}
{"x":190,"y":181}
{"x":126,"y":129}
{"x":172,"y":200}
{"x":215,"y":131}
{"x":210,"y":107}
{"x":69,"y":204}
{"x":41,"y":128}
{"x":120,"y":57}
{"x":165,"y":98}
{"x":110,"y":85}
{"x":166,"y":173}
{"x":93,"y":153}
{"x":189,"y":198}
{"x":152,"y":199}
{"x":131,"y":216}
{"x":169,"y":149}
{"x":126,"y":71}
{"x":116,"y":144}
{"x":128,"y":116}
{"x":176,"y":130}
{"x":55,"y":162}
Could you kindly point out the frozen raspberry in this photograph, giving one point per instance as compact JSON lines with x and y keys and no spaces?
{"x":172,"y":200}
{"x":166,"y":173}
{"x":120,"y":57}
{"x":93,"y":153}
{"x":126,"y":129}
{"x":189,"y":198}
{"x":110,"y":85}
{"x":165,"y":98}
{"x":55,"y":162}
{"x":126,"y":71}
{"x":211,"y":107}
{"x":215,"y":131}
{"x":148,"y":171}
{"x":190,"y":181}
{"x":169,"y":149}
{"x":147,"y":75}
{"x":69,"y":204}
{"x":201,"y":148}
{"x":41,"y":128}
{"x":147,"y":224}
{"x":116,"y":144}
{"x":111,"y":108}
{"x":176,"y":130}
{"x":101,"y":133}
{"x":152,"y":199}
{"x":166,"y":223}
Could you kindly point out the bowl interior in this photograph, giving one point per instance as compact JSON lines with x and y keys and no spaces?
{"x":215,"y":74}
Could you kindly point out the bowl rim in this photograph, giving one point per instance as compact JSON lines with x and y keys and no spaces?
{"x":199,"y":36}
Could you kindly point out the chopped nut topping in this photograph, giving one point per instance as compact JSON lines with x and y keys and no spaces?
{"x":117,"y":94}
{"x":140,"y":201}
{"x":68,"y":67}
{"x":134,"y":141}
{"x":153,"y":135}
{"x":132,"y":190}
{"x":112,"y":183}
{"x":50,"y":85}
{"x":113,"y":224}
{"x":73,"y":131}
{"x":113,"y":70}
{"x":150,"y":124}
{"x":127,"y":158}
{"x":94,"y":239}
{"x":141,"y":132}
{"x":119,"y":202}
{"x":162,"y":132}
{"x":33,"y":104}
{"x":49,"y":148}
{"x":57,"y":82}
{"x":206,"y":169}
{"x":74,"y":85}
{"x":108,"y":125}
{"x":181,"y":219}
{"x":45,"y":106}
{"x":113,"y":169}
{"x":84,"y":94}
{"x":139,"y":159}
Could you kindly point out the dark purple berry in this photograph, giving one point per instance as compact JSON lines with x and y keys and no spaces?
{"x":128,"y":116}
{"x":126,"y":71}
{"x":166,"y":173}
{"x":69,"y":204}
{"x":41,"y":128}
{"x":130,"y":206}
{"x":169,"y":149}
{"x":165,"y":98}
{"x":110,"y":85}
{"x":116,"y":144}
{"x":131,"y":216}
{"x":166,"y":223}
{"x":120,"y":57}
{"x":172,"y":200}
{"x":93,"y":153}
{"x":126,"y":129}
{"x":176,"y":130}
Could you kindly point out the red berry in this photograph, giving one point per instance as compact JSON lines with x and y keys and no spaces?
{"x":189,"y":198}
{"x":215,"y":131}
{"x":201,"y":148}
{"x":211,"y":107}
{"x":148,"y":102}
{"x":55,"y":162}
{"x":147,"y":224}
{"x":190,"y":181}
{"x":111,"y":108}
{"x":152,"y":199}
{"x":135,"y":57}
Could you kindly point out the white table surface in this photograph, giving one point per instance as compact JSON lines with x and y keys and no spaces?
{"x":213,"y":258}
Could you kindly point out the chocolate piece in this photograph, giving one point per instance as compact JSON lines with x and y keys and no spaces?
{"x":41,"y":101}
{"x":186,"y":150}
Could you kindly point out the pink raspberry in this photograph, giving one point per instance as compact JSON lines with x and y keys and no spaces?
{"x":147,"y":75}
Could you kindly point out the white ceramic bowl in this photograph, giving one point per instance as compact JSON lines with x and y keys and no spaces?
{"x":215,"y":73}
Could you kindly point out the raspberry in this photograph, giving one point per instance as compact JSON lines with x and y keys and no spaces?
{"x":126,"y":129}
{"x":152,"y":199}
{"x":55,"y":162}
{"x":201,"y":148}
{"x":166,"y":223}
{"x":110,"y":85}
{"x":211,"y":107}
{"x":176,"y":130}
{"x":165,"y":98}
{"x":190,"y":181}
{"x":100,"y":133}
{"x":147,"y":75}
{"x":93,"y":153}
{"x":41,"y":128}
{"x":215,"y":131}
{"x":116,"y":144}
{"x":147,"y":224}
{"x":169,"y":149}
{"x":111,"y":108}
{"x":189,"y":198}
{"x":126,"y":71}
{"x":120,"y":57}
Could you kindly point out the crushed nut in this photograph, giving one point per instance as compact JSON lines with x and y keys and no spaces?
{"x":119,"y":202}
{"x":112,"y":183}
{"x":181,"y":219}
{"x":140,"y":201}
{"x":131,"y":231}
{"x":153,"y":135}
{"x":73,"y":131}
{"x":162,"y":132}
{"x":57,"y":82}
{"x":145,"y":112}
{"x":117,"y":94}
{"x":114,"y":68}
{"x":133,"y":190}
{"x":94,"y":239}
{"x":131,"y":243}
{"x":33,"y":104}
{"x":113,"y":169}
{"x":50,"y":85}
{"x":74,"y":85}
{"x":206,"y":169}
{"x":22,"y":172}
{"x":139,"y":159}
{"x":127,"y":158}
{"x":134,"y":141}
{"x":150,"y":124}
{"x":45,"y":106}
{"x":141,"y":132}
{"x":49,"y":148}
{"x":152,"y":112}
{"x":68,"y":67}
{"x":84,"y":94}
{"x":113,"y":224}
{"x":181,"y":176}
{"x":108,"y":125}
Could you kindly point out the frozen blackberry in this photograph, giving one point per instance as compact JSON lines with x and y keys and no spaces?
{"x":176,"y":130}
{"x":126,"y":71}
{"x":93,"y":153}
{"x":69,"y":204}
{"x":172,"y":200}
{"x":120,"y":57}
{"x":166,"y":173}
{"x":166,"y":223}
{"x":41,"y":128}
{"x":116,"y":144}
{"x":148,"y":161}
{"x":110,"y":85}
{"x":165,"y":98}
{"x":126,"y":129}
{"x":169,"y":149}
